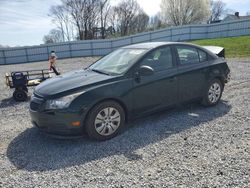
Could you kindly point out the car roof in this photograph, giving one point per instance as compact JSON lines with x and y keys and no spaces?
{"x":152,"y":45}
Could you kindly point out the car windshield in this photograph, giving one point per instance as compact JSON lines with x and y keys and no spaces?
{"x":117,"y":62}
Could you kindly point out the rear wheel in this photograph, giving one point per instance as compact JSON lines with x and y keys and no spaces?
{"x":213,"y":93}
{"x":20,"y":95}
{"x":105,"y":120}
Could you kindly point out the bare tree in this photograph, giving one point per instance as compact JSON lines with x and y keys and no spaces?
{"x":47,"y":39}
{"x":75,"y":9}
{"x":84,"y":14}
{"x":54,"y":36}
{"x":155,"y":22}
{"x":113,"y":19}
{"x":217,"y":9}
{"x":179,"y":12}
{"x":126,"y":11}
{"x":104,"y":8}
{"x":90,"y":19}
{"x":63,"y":21}
{"x":140,"y":22}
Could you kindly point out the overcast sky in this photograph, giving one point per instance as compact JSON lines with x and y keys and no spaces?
{"x":25,"y":22}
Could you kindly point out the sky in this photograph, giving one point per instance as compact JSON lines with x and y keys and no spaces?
{"x":25,"y":22}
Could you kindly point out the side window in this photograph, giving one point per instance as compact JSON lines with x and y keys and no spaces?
{"x":159,"y":59}
{"x":202,"y":56}
{"x":187,"y":55}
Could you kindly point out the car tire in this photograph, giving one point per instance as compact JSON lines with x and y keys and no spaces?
{"x":105,"y":120}
{"x":213,"y":93}
{"x":20,"y":95}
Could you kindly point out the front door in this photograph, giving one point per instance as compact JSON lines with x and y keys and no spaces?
{"x":160,"y":89}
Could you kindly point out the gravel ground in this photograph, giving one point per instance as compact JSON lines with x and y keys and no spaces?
{"x":190,"y":146}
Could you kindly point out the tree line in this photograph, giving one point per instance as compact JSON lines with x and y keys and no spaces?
{"x":98,"y":19}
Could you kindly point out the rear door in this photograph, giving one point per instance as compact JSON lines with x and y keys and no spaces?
{"x":192,"y":71}
{"x":160,"y":89}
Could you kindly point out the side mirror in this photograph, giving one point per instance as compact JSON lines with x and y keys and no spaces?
{"x":146,"y":70}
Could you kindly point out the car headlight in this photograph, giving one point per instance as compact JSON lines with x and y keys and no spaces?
{"x":62,"y":102}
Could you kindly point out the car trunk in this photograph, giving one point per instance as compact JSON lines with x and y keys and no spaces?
{"x":219,"y":51}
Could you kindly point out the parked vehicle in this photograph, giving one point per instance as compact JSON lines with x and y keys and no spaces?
{"x":130,"y":82}
{"x":21,"y":80}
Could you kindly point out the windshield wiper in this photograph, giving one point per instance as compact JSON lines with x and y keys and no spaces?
{"x":99,"y":71}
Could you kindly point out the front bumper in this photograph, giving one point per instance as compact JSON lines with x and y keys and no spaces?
{"x":56,"y":123}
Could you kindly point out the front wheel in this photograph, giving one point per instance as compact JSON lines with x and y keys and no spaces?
{"x":105,"y":120}
{"x":213,"y":93}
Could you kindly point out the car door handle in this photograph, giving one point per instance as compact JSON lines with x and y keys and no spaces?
{"x":172,"y":79}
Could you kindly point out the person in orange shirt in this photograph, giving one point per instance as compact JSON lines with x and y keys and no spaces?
{"x":52,"y":62}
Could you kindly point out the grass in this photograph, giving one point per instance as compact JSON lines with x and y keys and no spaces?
{"x":234,"y":46}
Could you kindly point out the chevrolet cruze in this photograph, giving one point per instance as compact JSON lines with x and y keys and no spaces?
{"x":130,"y":82}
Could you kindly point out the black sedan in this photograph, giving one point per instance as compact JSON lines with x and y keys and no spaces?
{"x":130,"y":82}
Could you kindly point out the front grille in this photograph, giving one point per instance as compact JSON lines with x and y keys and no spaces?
{"x":36,"y":102}
{"x":34,"y":106}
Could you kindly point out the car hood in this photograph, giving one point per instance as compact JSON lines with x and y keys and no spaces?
{"x":70,"y":82}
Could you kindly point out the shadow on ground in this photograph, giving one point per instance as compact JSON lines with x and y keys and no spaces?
{"x":10,"y":102}
{"x":34,"y":151}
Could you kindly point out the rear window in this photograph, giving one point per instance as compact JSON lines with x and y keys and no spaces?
{"x":187,"y":55}
{"x":203,"y":56}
